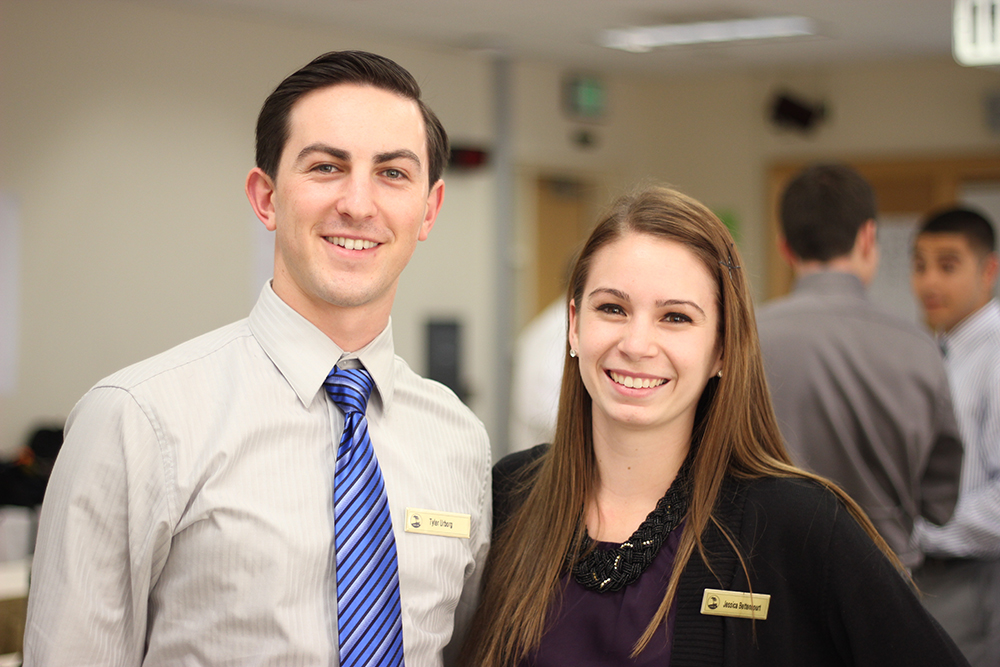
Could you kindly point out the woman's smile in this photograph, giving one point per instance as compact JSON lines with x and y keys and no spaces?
{"x":635,"y":381}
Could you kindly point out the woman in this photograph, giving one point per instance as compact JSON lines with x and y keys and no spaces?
{"x":666,"y":524}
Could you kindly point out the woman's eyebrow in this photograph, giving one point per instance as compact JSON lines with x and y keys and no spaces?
{"x":679,"y":302}
{"x":618,"y":294}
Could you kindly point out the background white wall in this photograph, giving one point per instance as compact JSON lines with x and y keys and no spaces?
{"x":126,"y":131}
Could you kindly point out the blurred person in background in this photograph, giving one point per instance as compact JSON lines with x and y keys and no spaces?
{"x":954,"y":274}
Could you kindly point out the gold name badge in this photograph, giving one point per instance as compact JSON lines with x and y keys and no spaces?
{"x":735,"y":603}
{"x":432,"y":522}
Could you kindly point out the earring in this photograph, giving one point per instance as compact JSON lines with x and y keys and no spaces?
{"x":572,"y":353}
{"x":719,"y":374}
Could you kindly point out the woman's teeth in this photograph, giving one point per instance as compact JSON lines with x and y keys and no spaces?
{"x":636,"y":383}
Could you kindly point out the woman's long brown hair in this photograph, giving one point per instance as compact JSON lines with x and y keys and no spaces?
{"x":735,"y":432}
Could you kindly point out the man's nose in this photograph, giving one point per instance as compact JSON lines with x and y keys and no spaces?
{"x":357,"y":200}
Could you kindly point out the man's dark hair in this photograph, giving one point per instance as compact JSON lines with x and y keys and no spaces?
{"x":822,"y":210}
{"x":330,"y":69}
{"x":972,"y":225}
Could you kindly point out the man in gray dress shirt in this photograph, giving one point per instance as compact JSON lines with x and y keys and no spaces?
{"x":861,"y":396}
{"x":189,"y":517}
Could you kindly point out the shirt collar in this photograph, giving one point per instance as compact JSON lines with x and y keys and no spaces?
{"x":304,"y":355}
{"x":830,"y":282}
{"x":968,"y":331}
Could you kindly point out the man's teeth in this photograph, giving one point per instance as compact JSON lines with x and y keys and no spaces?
{"x":352,"y":244}
{"x":636,"y":383}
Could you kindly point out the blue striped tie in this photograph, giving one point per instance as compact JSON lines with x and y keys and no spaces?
{"x":369,"y":622}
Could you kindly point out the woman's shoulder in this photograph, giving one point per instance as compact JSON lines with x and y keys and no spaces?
{"x":509,"y":477}
{"x":511,"y":466}
{"x":787,"y":493}
{"x":800,"y":510}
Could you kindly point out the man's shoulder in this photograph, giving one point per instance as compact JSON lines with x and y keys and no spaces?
{"x":778,"y":307}
{"x":432,"y":397}
{"x":202,"y":351}
{"x":990,"y":327}
{"x":841,"y":317}
{"x":803,"y":310}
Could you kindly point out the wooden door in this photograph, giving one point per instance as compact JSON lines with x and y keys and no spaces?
{"x":563,"y":222}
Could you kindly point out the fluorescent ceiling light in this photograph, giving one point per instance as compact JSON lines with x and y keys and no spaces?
{"x":975,"y":36}
{"x":640,"y":40}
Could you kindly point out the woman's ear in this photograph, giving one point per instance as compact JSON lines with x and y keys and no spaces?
{"x":573,"y":337}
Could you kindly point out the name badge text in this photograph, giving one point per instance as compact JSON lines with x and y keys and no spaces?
{"x":433,"y":522}
{"x":735,"y":603}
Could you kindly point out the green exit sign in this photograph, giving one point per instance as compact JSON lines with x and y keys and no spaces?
{"x":585,"y":97}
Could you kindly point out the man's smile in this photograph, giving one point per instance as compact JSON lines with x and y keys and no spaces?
{"x":350,"y":244}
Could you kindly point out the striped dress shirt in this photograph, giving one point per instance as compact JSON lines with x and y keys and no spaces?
{"x":972,"y":358}
{"x":189,"y":518}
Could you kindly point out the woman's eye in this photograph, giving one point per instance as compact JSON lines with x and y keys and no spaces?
{"x":677,"y":318}
{"x":611,"y":309}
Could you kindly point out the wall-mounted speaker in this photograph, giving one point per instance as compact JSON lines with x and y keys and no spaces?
{"x":788,"y":110}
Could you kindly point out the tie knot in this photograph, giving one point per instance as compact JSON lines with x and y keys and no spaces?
{"x":349,"y":388}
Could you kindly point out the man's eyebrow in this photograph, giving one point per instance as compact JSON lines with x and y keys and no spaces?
{"x":947,"y":251}
{"x":402,"y":153}
{"x":338,"y":153}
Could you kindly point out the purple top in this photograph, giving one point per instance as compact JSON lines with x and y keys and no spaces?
{"x":594,"y":629}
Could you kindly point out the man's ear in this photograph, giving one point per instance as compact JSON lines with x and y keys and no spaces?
{"x":260,"y":192}
{"x":867,"y":237}
{"x":435,"y":198}
{"x":786,"y":251}
{"x":991,"y":266}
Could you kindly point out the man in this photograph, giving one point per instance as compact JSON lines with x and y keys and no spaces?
{"x":954,"y":272}
{"x":195,"y":513}
{"x":861,"y":396}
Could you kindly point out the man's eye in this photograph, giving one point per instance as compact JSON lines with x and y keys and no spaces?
{"x":325,"y":168}
{"x":394,"y":173}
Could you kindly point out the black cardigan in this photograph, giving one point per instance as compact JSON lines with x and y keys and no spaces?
{"x":835,"y":598}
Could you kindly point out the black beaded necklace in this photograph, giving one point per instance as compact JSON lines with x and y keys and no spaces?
{"x":608,"y":570}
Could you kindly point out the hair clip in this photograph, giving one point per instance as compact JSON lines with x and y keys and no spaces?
{"x":730,"y":264}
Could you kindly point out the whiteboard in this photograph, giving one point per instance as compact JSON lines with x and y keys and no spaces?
{"x":985,"y":198}
{"x":891,"y":286}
